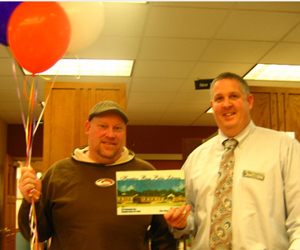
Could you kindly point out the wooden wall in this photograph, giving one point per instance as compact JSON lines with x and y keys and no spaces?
{"x":140,"y":139}
{"x":277,"y":108}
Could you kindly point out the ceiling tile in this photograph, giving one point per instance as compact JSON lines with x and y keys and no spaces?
{"x":189,"y":85}
{"x":146,"y":108}
{"x":196,"y":4}
{"x":236,"y":51}
{"x":124,"y":48}
{"x":186,"y":108}
{"x":5,"y":52}
{"x":283,"y":53}
{"x":175,"y":119}
{"x":123,"y":19}
{"x":156,"y":84}
{"x":150,"y":97}
{"x":207,"y":70}
{"x":257,"y":25}
{"x":172,"y":49}
{"x":8,"y":82}
{"x":164,"y":69}
{"x":205,"y":120}
{"x":280,"y":6}
{"x":8,"y":67}
{"x":184,"y":22}
{"x":198,"y":97}
{"x":294,"y":35}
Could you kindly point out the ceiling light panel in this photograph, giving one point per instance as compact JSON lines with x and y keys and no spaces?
{"x":89,"y":67}
{"x":274,"y":72}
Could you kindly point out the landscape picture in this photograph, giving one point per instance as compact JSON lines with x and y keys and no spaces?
{"x":149,"y":192}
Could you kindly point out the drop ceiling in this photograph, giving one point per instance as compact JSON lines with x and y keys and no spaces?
{"x":173,"y":44}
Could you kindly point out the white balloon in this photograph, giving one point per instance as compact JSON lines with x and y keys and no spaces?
{"x":87,"y":20}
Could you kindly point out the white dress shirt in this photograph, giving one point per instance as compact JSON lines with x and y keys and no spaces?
{"x":266,"y":190}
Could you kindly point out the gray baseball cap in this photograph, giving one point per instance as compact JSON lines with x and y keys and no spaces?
{"x":107,"y":106}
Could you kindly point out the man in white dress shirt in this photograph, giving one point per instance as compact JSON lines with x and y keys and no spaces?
{"x":266,"y":184}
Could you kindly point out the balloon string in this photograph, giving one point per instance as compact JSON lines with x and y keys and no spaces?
{"x":18,"y":92}
{"x":30,"y":134}
{"x":30,"y":125}
{"x":33,"y":226}
{"x":30,"y":122}
{"x":41,"y":115}
{"x":28,"y":128}
{"x":25,"y":91}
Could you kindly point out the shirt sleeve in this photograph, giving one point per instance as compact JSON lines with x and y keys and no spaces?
{"x":178,"y":233}
{"x":190,"y":227}
{"x":44,"y":230}
{"x":43,"y":215}
{"x":295,"y":245}
{"x":23,"y":219}
{"x":292,"y":192}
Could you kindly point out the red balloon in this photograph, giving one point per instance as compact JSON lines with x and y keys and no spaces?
{"x":38,"y":35}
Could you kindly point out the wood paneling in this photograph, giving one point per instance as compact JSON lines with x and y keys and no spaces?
{"x":277,"y":108}
{"x":163,"y":139}
{"x":293,"y":113}
{"x":261,"y":112}
{"x":8,"y":231}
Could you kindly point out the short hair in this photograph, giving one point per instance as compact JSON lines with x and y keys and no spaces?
{"x":229,"y":75}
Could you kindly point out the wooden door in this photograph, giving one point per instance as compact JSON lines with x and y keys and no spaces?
{"x":8,"y":231}
{"x":268,"y":108}
{"x":277,"y":108}
{"x":66,"y":113}
{"x":293,"y":113}
{"x":261,"y":112}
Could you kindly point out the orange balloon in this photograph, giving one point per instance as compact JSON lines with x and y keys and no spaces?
{"x":38,"y":35}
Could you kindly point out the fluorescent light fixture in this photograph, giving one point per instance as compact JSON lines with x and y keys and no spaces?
{"x":130,"y":1}
{"x":274,"y":72}
{"x":89,"y":67}
{"x":209,"y":111}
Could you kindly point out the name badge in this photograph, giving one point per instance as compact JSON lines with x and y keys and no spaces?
{"x":255,"y":175}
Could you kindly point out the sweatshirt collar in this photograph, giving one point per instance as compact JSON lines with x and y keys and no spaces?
{"x":81,"y":154}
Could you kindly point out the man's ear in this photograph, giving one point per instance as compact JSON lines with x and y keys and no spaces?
{"x":250,"y":100}
{"x":87,"y":127}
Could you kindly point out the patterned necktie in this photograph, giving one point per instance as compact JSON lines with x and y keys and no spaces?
{"x":220,"y":231}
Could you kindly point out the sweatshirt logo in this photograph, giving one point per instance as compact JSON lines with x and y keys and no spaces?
{"x":104,"y":182}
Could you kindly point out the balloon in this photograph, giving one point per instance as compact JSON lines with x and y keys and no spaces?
{"x":87,"y":19}
{"x":38,"y":35}
{"x":6,"y":8}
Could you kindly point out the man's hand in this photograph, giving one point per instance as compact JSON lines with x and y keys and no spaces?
{"x":176,"y":217}
{"x":29,"y":184}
